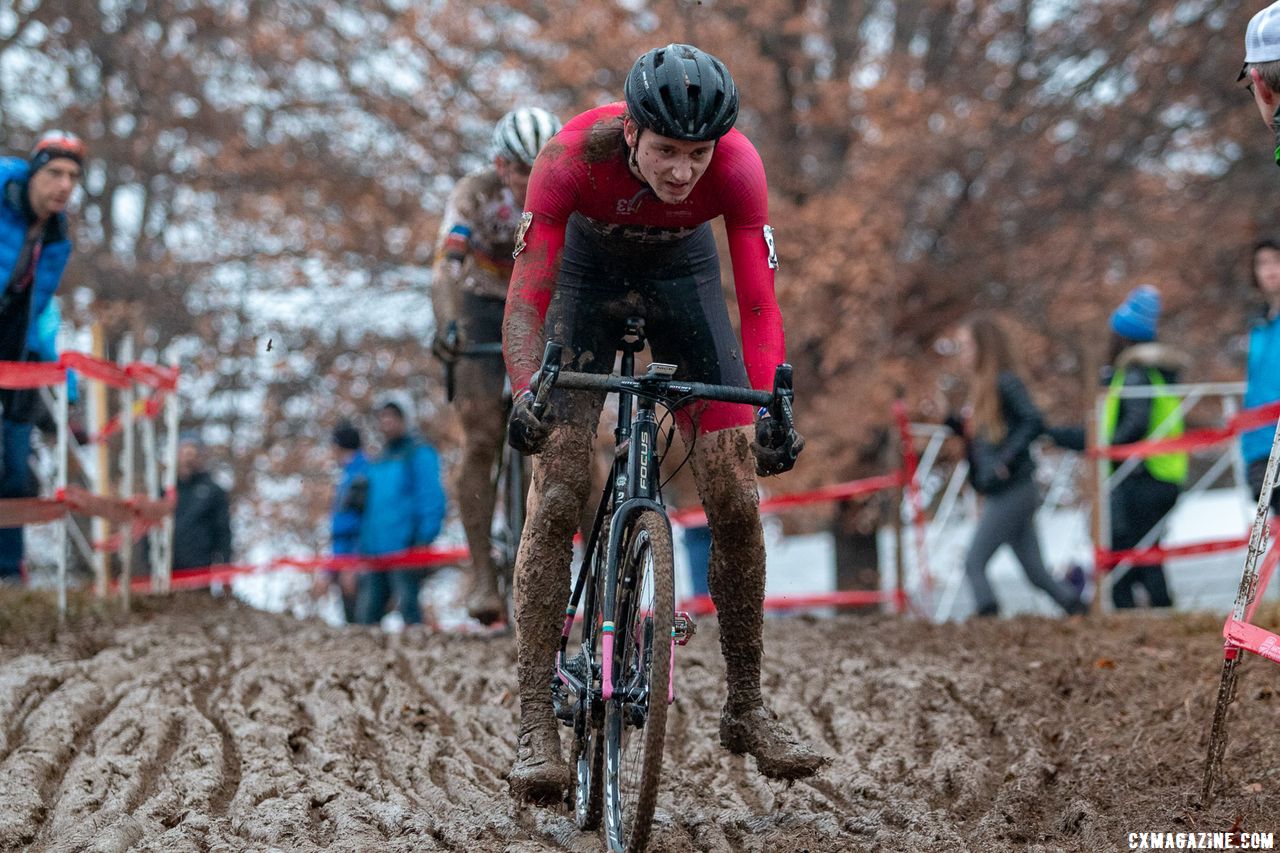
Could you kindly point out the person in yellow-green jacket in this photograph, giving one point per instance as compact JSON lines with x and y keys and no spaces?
{"x":1149,"y":492}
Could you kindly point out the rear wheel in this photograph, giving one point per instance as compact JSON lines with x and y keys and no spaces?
{"x":636,"y":717}
{"x":513,"y":491}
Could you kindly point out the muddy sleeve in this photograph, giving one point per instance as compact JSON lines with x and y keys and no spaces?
{"x":452,"y":245}
{"x":1022,"y":419}
{"x":429,"y":500}
{"x":539,"y":242}
{"x":751,"y":251}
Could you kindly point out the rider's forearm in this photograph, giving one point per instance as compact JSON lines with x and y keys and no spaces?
{"x":446,"y":279}
{"x":763,"y":343}
{"x":522,"y":342}
{"x":533,"y":282}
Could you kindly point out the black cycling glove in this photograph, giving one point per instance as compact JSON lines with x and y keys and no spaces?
{"x":775,"y":447}
{"x":526,"y":432}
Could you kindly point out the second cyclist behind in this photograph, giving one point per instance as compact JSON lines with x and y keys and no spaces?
{"x":469,"y":288}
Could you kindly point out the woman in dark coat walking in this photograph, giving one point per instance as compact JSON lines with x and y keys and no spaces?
{"x":1001,"y":424}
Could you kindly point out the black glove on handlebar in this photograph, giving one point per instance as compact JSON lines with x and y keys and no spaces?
{"x":775,"y":447}
{"x":526,"y":432}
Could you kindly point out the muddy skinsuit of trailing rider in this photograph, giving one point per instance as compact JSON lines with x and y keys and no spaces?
{"x":469,"y":287}
{"x":577,"y":279}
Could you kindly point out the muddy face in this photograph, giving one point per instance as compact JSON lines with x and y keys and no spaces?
{"x":671,"y":167}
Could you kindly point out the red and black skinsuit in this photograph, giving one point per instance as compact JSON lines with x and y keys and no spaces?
{"x":597,"y":246}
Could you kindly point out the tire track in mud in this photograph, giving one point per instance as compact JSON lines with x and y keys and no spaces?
{"x":120,"y":773}
{"x":82,"y":728}
{"x":201,"y":694}
{"x":20,"y":703}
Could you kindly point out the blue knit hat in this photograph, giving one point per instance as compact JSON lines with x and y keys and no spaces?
{"x":1137,"y":316}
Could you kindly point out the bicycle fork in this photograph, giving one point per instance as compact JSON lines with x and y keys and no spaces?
{"x":641,"y":489}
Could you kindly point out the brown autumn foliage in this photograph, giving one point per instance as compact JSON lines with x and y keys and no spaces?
{"x":275,"y":171}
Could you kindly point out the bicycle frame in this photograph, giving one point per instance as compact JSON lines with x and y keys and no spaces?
{"x":619,"y":568}
{"x":633,"y":486}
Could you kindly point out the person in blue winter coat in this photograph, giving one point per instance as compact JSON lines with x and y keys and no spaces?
{"x":34,"y":248}
{"x":1262,"y":375}
{"x":404,"y":507}
{"x":348,"y":511}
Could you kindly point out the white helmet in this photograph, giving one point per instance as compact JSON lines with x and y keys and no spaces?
{"x":520,"y":134}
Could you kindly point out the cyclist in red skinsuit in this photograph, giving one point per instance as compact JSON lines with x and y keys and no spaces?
{"x":616,"y":225}
{"x":615,"y":201}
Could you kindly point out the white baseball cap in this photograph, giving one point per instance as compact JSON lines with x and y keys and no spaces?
{"x":1262,"y":38}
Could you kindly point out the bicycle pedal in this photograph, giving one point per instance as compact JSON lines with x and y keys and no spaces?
{"x":683,"y":628}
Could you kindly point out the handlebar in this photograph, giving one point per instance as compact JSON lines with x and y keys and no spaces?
{"x":674,"y":388}
{"x":658,"y":382}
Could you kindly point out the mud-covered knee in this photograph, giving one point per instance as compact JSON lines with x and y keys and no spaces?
{"x":561,"y":502}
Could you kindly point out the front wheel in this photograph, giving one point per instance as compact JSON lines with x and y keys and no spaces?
{"x":636,"y":718}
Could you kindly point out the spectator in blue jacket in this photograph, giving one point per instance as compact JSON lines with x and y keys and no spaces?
{"x":348,"y":511}
{"x":34,"y":248}
{"x":404,"y":508}
{"x":1262,"y":376}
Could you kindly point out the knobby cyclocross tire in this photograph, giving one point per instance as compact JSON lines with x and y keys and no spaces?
{"x":588,"y":750}
{"x":634,"y":731}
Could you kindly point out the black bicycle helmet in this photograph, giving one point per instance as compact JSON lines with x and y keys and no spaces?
{"x":682,"y":92}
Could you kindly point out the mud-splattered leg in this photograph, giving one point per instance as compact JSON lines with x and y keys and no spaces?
{"x":724,"y":470}
{"x":483,"y":427}
{"x":560,"y":482}
{"x":726,"y":483}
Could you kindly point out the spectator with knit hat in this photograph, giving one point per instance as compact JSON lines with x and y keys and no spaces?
{"x":35,"y":245}
{"x":1147,"y":494}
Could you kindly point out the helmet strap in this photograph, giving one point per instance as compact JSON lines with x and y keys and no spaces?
{"x":633,"y":159}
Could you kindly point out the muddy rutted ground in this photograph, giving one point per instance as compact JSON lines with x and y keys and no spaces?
{"x":210,"y":726}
